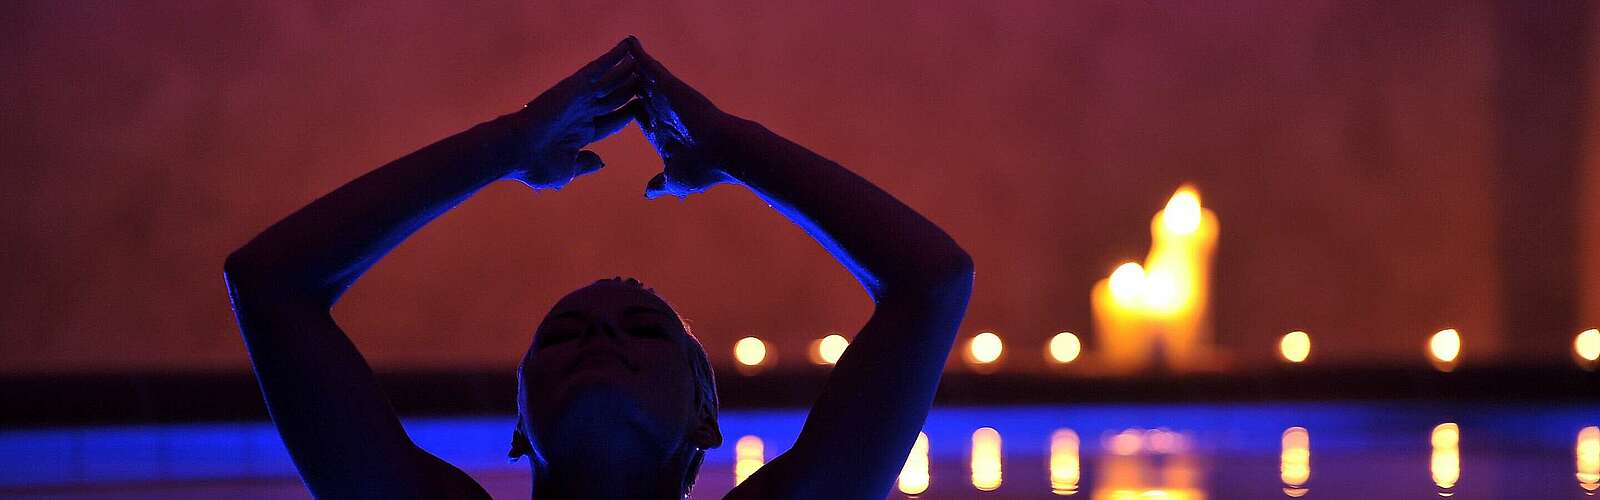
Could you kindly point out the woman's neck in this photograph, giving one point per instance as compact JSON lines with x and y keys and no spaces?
{"x":608,"y":476}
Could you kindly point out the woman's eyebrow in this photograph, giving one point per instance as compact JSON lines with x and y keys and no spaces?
{"x":648,"y":310}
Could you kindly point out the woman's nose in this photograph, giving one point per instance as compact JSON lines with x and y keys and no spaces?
{"x":601,"y":329}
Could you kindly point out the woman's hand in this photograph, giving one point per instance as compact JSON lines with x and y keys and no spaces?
{"x":689,"y":132}
{"x":588,"y":106}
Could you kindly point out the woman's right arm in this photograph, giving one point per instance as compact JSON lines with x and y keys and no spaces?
{"x":336,"y":423}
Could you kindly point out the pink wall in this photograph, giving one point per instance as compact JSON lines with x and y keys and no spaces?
{"x":1347,"y":148}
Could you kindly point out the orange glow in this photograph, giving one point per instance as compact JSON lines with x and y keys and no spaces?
{"x":986,"y":459}
{"x":985,"y":348}
{"x":1150,"y":494}
{"x":1587,"y":345}
{"x":750,"y":351}
{"x":1295,"y":346}
{"x":1588,"y":456}
{"x":1065,"y":468}
{"x":1158,"y":311}
{"x":1294,"y":462}
{"x":914,"y":476}
{"x":1445,"y":346}
{"x":749,"y":454}
{"x":1445,"y":464}
{"x":1065,"y":347}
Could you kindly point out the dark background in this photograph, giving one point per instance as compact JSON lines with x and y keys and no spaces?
{"x":1381,"y":170}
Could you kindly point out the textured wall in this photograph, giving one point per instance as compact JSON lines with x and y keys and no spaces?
{"x":1348,"y":149}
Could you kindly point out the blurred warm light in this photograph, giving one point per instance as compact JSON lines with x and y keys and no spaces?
{"x":1587,"y":345}
{"x":914,"y":476}
{"x":985,"y":348}
{"x":1588,"y":454}
{"x":1127,"y":283}
{"x":986,"y":459}
{"x":1182,"y":215}
{"x":748,"y":456}
{"x":1294,"y":462}
{"x":1065,"y":347}
{"x":1445,"y":345}
{"x":827,"y":350}
{"x":1445,"y":464}
{"x":1065,"y":468}
{"x":1163,"y":441}
{"x":1151,"y":494}
{"x":1295,"y":346}
{"x":750,"y":351}
{"x":1127,"y":442}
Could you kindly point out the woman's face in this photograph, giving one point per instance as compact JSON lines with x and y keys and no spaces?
{"x":608,"y":373}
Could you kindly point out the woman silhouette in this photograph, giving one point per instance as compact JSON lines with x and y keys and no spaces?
{"x":615,"y":397}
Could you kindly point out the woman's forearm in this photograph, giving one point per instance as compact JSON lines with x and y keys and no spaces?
{"x":318,"y":251}
{"x":890,"y":248}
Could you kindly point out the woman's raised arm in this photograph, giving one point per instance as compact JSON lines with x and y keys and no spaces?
{"x":860,"y":430}
{"x":337,"y":425}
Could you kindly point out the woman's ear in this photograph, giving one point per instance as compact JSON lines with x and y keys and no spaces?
{"x":706,"y":434}
{"x":520,"y":446}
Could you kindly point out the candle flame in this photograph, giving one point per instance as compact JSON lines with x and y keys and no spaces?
{"x":750,"y":351}
{"x":1182,"y":214}
{"x":1065,"y":347}
{"x":1295,"y":346}
{"x":1445,"y":345}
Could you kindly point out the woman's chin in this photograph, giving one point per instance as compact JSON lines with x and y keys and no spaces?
{"x":601,"y":416}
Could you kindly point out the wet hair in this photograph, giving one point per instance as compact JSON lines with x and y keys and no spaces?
{"x":700,"y":364}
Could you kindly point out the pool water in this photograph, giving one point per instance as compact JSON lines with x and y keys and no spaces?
{"x":1218,"y":451}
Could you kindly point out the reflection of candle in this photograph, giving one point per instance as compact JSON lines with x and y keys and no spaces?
{"x":1294,"y":462}
{"x":1588,"y":454}
{"x":1445,"y":464}
{"x":1146,"y":464}
{"x":986,"y":459}
{"x":914,"y":476}
{"x":748,"y":456}
{"x":1064,"y":467}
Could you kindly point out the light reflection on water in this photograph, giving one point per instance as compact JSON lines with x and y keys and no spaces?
{"x":1364,"y":450}
{"x":1065,"y":468}
{"x":914,"y":477}
{"x":1445,"y":464}
{"x":986,"y":459}
{"x":1294,"y":467}
{"x":749,"y":455}
{"x":1588,"y":457}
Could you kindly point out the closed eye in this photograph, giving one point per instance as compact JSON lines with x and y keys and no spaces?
{"x":649,"y":331}
{"x":556,"y":336}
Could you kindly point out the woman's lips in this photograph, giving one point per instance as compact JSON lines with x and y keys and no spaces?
{"x":600,"y":358}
